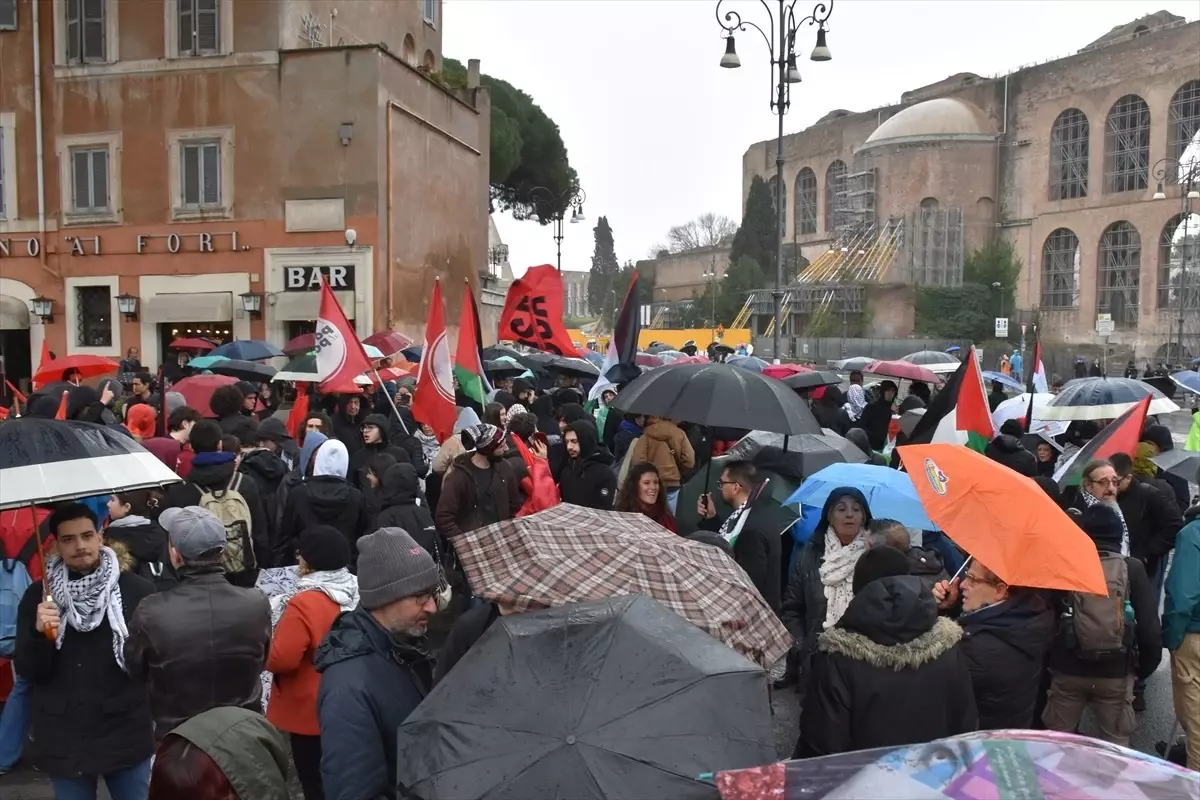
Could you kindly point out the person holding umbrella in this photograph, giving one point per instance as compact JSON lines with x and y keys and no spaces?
{"x":756,"y":546}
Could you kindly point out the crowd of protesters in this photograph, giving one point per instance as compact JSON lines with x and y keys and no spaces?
{"x":142,"y":641}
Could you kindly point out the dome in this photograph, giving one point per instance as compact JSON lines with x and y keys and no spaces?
{"x":940,"y":119}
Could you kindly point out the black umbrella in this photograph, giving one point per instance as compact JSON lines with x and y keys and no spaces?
{"x":802,"y":381}
{"x":796,"y":456}
{"x":717,"y":395}
{"x":578,"y":367}
{"x":503,"y":369}
{"x":45,"y":460}
{"x":657,"y":348}
{"x":250,"y":371}
{"x":618,"y":699}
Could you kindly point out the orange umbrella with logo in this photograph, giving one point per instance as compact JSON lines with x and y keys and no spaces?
{"x":1003,"y":519}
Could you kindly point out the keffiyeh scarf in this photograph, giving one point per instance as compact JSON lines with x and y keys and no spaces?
{"x":732,"y":527}
{"x":837,"y":573}
{"x":856,"y":401}
{"x":86,"y":602}
{"x":1090,"y":500}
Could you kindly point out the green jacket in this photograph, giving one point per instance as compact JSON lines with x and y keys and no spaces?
{"x":250,"y":751}
{"x":1193,"y":440}
{"x":1181,"y":612}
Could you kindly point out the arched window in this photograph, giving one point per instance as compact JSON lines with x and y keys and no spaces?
{"x":429,"y":63}
{"x":1183,"y":129}
{"x":773,"y":185}
{"x":1127,"y":145}
{"x":806,"y":202}
{"x":930,"y":204}
{"x":1060,"y":270}
{"x":1069,"y":155}
{"x":1119,"y":274}
{"x":1179,"y":246}
{"x":410,"y":50}
{"x":834,"y":177}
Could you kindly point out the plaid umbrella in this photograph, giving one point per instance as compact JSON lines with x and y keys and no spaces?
{"x":570,"y":554}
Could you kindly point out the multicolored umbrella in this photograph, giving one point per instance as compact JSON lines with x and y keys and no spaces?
{"x":570,"y":554}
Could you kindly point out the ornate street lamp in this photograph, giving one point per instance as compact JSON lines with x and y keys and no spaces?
{"x":573,"y":198}
{"x":127,"y":304}
{"x":1188,"y":176}
{"x":43,"y":307}
{"x":782,"y":49}
{"x":252,"y":303}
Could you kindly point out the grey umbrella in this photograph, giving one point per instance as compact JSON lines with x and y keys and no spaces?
{"x":618,"y":698}
{"x":1184,"y":463}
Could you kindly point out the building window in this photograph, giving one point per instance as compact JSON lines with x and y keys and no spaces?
{"x":429,"y":9}
{"x":200,"y":174}
{"x":1060,"y":270}
{"x":1069,"y":155}
{"x":410,"y":50}
{"x":1183,"y":131}
{"x":89,"y":180}
{"x":1119,"y":274}
{"x":835,"y":177}
{"x":1179,"y":261}
{"x":93,"y":306}
{"x":87,"y":31}
{"x":199,"y":27}
{"x":8,"y":15}
{"x":773,"y":185}
{"x":806,"y":202}
{"x":1127,"y":146}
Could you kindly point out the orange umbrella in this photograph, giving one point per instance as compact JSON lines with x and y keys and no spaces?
{"x":1003,"y":519}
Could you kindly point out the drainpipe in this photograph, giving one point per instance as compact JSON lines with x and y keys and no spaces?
{"x":41,"y":158}
{"x":387,"y":251}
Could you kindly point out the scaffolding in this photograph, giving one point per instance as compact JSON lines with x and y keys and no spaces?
{"x":1118,"y":278}
{"x":931,"y":246}
{"x":1069,"y":155}
{"x":1127,"y":145}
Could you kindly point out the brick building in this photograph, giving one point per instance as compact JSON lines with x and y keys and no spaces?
{"x":1059,"y":158}
{"x":188,"y":152}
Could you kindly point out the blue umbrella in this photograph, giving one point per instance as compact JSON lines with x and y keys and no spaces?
{"x":752,"y":363}
{"x":1188,"y":379}
{"x":206,"y":362}
{"x":1195,"y":361}
{"x":953,"y":348}
{"x":592,"y":356}
{"x":1003,"y":380}
{"x":413,"y":354}
{"x":247,"y":350}
{"x":890,"y":493}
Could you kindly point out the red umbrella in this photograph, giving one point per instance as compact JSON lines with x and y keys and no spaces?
{"x":203,"y":345}
{"x":198,"y":390}
{"x":782,"y":371}
{"x":648,"y":360}
{"x":88,"y":367}
{"x":394,"y":372}
{"x":904,"y":370}
{"x":388,"y":342}
{"x":302,"y":344}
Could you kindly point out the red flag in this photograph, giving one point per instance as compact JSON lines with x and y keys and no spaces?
{"x":533,"y":312}
{"x":433,"y":401}
{"x":62,"y":406}
{"x":1119,"y":436}
{"x":540,"y":490}
{"x":45,"y":360}
{"x":340,"y":355}
{"x":16,"y":392}
{"x":299,"y":413}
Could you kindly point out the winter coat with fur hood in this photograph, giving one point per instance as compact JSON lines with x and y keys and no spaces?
{"x":890,"y":673}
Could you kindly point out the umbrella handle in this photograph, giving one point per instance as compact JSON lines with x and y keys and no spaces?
{"x":962,"y":569}
{"x":392,"y":402}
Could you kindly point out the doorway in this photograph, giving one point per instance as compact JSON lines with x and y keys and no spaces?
{"x":216,"y":332}
{"x":15,"y":365}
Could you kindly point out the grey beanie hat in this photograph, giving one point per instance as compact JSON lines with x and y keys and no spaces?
{"x":392,"y":566}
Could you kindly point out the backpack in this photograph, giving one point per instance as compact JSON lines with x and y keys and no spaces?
{"x":229,"y":506}
{"x":14,"y":580}
{"x":1098,"y":627}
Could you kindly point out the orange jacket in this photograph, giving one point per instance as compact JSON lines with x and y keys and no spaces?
{"x":293,"y":707}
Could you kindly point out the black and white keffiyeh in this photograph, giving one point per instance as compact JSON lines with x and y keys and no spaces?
{"x":84,"y":603}
{"x":732,"y":527}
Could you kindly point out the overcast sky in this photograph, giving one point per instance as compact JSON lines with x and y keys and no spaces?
{"x":656,"y":129}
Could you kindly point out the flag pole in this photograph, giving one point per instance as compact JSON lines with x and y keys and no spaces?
{"x":391,"y":401}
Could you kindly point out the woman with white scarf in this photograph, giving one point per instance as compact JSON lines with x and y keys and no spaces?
{"x":821,"y":583}
{"x":90,"y":719}
{"x":299,"y":620}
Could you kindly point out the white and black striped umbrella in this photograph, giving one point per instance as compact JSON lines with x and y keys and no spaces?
{"x":1103,"y":398}
{"x":45,"y":460}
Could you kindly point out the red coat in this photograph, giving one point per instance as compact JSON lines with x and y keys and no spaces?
{"x":293,"y":706}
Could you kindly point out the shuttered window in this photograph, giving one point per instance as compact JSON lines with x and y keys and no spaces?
{"x":199,"y":27}
{"x":87,"y":31}
{"x":8,"y":15}
{"x":200,"y":174}
{"x":89,"y":180}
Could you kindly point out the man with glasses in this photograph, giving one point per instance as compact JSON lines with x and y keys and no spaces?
{"x":1098,"y":485}
{"x":753,"y":531}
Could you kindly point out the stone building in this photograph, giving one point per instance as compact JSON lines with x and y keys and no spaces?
{"x":575,"y":293}
{"x":1062,"y":158}
{"x":205,"y":159}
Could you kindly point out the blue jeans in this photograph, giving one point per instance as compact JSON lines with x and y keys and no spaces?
{"x":672,"y":500}
{"x":132,"y":783}
{"x":14,"y":724}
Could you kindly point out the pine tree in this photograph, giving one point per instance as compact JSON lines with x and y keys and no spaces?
{"x":604,"y":269}
{"x":756,"y":238}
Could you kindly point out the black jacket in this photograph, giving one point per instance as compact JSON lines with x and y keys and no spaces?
{"x":890,"y":673}
{"x":1009,"y":451}
{"x":408,"y":442}
{"x":875,"y":419}
{"x":371,"y":681}
{"x":1153,"y":520}
{"x":588,"y":480}
{"x":88,"y":716}
{"x":199,"y":646}
{"x":994,"y":399}
{"x":149,"y":548}
{"x":361,"y":459}
{"x":926,"y":565}
{"x":325,"y":500}
{"x":268,"y":471}
{"x":349,"y":429}
{"x":1005,"y":646}
{"x":465,"y":632}
{"x":216,"y":477}
{"x":758,"y":549}
{"x":402,"y":506}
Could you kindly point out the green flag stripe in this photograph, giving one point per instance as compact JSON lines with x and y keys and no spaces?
{"x":470,"y":383}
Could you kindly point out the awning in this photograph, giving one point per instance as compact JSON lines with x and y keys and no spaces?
{"x":197,"y":307}
{"x":299,"y":306}
{"x":14,"y":314}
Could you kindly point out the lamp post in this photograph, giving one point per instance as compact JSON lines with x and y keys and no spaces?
{"x":711,"y":277}
{"x":497,"y":255}
{"x":573,"y":198}
{"x":1188,"y":175}
{"x":781,"y":46}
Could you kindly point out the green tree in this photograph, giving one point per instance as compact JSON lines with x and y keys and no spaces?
{"x":604,"y":268}
{"x":756,"y":238}
{"x":526,"y":148}
{"x":995,"y":262}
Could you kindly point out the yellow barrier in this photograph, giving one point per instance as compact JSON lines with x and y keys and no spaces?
{"x":675,"y":338}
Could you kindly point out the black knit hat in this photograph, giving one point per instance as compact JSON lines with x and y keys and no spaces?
{"x":324,"y":547}
{"x":879,"y":562}
{"x":1103,"y":525}
{"x":521,"y":385}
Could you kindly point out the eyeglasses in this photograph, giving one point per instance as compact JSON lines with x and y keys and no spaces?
{"x":721,"y":482}
{"x":1105,"y":481}
{"x":978,"y":581}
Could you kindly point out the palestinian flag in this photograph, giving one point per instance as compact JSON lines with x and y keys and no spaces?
{"x":620,"y":363}
{"x":959,"y":414}
{"x":1037,"y":370}
{"x":468,"y":361}
{"x":1119,"y":436}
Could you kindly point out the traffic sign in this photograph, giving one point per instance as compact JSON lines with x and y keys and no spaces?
{"x":1104,"y":324}
{"x":1001,"y":327}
